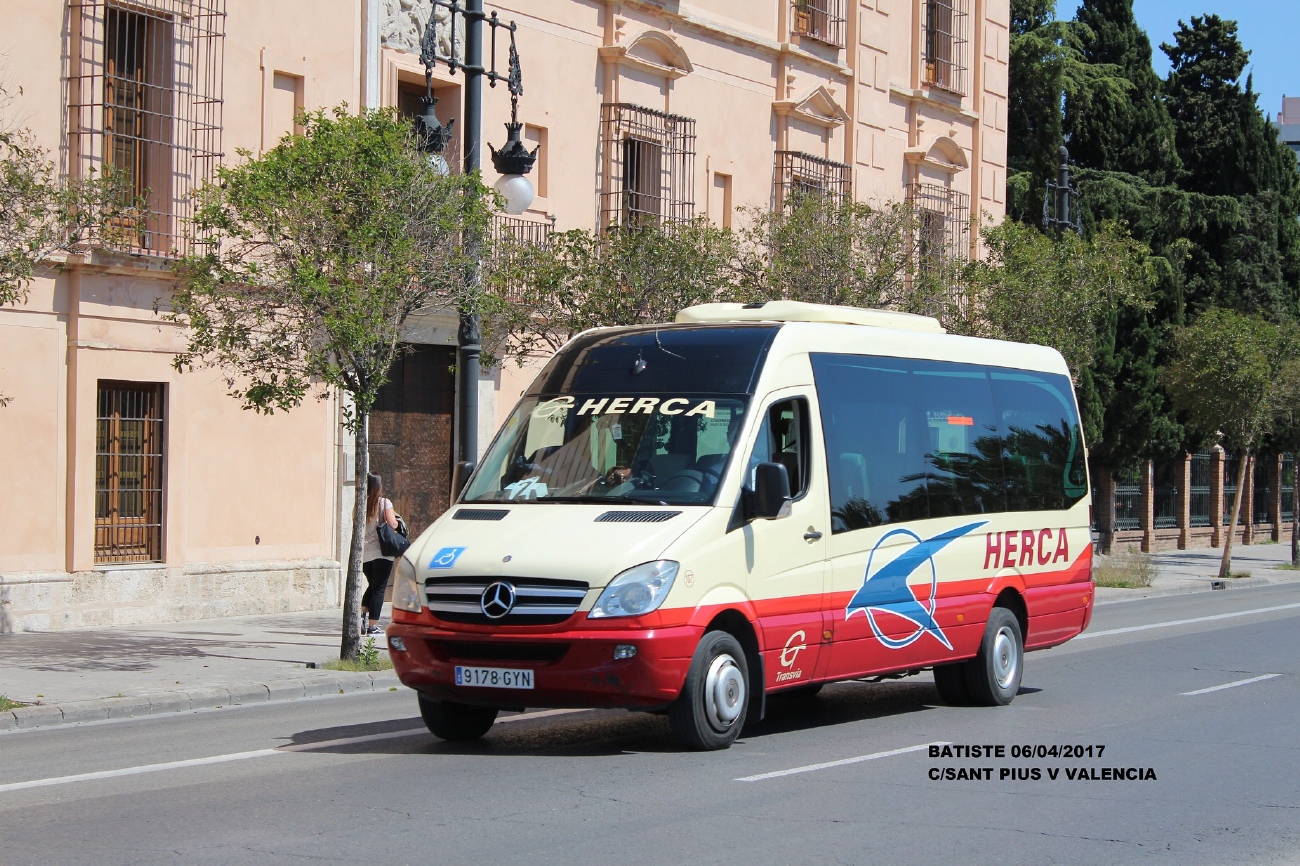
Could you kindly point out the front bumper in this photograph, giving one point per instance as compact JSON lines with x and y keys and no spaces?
{"x":572,"y":668}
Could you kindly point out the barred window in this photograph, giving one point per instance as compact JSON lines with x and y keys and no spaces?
{"x":823,"y":20}
{"x":943,"y":217}
{"x":945,"y":44}
{"x":649,"y":160}
{"x":128,"y":472}
{"x":145,"y":100}
{"x":514,"y":239}
{"x":799,"y":174}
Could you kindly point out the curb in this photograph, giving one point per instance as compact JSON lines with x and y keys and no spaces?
{"x":210,"y":697}
{"x":1117,"y":594}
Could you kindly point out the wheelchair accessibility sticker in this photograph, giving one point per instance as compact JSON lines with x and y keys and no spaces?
{"x":446,"y":557}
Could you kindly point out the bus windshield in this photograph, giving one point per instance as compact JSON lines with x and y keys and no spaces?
{"x":667,"y":449}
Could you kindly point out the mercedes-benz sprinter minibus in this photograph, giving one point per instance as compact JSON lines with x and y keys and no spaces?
{"x":690,"y":517}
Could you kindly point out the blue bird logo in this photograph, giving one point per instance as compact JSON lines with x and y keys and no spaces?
{"x":887,"y":590}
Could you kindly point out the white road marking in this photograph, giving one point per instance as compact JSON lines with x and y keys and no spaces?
{"x":244,"y":756}
{"x":133,"y":771}
{"x":1231,"y":685}
{"x":828,"y":764}
{"x":1091,"y":634}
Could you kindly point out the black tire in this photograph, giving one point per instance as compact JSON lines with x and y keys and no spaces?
{"x":447,"y":720}
{"x":993,"y":676}
{"x":951,"y":682}
{"x":711,"y":709}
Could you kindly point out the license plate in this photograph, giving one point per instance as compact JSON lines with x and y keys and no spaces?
{"x":494,"y":678}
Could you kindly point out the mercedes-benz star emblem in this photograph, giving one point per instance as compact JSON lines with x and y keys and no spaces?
{"x":497,"y":599}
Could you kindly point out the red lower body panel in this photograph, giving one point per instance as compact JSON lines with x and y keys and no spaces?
{"x":571,"y":668}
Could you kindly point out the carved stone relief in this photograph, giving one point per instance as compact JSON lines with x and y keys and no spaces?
{"x":403,"y":26}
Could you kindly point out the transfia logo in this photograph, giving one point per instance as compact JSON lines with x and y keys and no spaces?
{"x":792,"y":650}
{"x":886,"y":589}
{"x":796,"y":644}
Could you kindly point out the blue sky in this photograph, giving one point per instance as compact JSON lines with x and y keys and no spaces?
{"x":1269,"y":29}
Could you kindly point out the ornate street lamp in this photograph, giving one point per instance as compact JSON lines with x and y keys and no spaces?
{"x":513,"y":161}
{"x":1061,"y":200}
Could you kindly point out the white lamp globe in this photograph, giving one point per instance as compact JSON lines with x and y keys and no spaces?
{"x":517,"y":191}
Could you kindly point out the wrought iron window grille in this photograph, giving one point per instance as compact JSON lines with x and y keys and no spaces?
{"x":128,"y":473}
{"x":823,"y":20}
{"x":800,"y":174}
{"x":145,"y":88}
{"x":943,"y":224}
{"x":946,"y":44}
{"x":648,"y":160}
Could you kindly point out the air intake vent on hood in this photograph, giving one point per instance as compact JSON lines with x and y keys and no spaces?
{"x":480,"y":514}
{"x":636,"y":516}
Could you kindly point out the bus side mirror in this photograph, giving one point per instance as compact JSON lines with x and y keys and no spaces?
{"x":460,"y":474}
{"x":770,"y":499}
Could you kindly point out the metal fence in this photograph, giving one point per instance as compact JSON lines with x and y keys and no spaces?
{"x":1262,"y":496}
{"x":1200,"y":489}
{"x":1231,"y":474}
{"x":145,"y":88}
{"x":1288,"y":488}
{"x":1128,"y":500}
{"x":1164,"y":494}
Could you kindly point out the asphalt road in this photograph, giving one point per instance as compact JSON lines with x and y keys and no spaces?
{"x":272,"y":784}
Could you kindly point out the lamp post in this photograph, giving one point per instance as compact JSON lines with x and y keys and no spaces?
{"x":1061,"y":200}
{"x":513,"y":161}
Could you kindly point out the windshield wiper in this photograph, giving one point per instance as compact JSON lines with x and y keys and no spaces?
{"x":593,"y":498}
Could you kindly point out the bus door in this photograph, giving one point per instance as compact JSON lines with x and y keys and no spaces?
{"x":786,"y":557}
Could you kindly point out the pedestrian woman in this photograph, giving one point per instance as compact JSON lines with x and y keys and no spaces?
{"x":374,"y":565}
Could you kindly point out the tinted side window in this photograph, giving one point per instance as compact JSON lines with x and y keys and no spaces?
{"x":874,"y":449}
{"x":783,"y":439}
{"x":1042,"y":447}
{"x":963,"y":444}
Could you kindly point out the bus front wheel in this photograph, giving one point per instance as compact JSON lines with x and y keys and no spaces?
{"x":993,"y":676}
{"x":711,"y":709}
{"x":448,"y":720}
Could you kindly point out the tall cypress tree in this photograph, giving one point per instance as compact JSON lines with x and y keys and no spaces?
{"x":1126,"y":128}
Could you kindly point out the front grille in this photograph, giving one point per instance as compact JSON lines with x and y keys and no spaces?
{"x":480,"y":514}
{"x":500,"y":651}
{"x":538,"y":600}
{"x":636,"y":516}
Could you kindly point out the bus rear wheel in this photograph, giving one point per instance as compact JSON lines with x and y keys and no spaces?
{"x":951,"y":682}
{"x":448,"y":720}
{"x":711,"y":709}
{"x":993,"y":676}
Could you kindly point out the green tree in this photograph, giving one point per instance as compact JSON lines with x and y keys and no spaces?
{"x":1222,"y":379}
{"x":45,"y":212}
{"x":327,"y":243}
{"x":1285,"y":433}
{"x":545,"y":294}
{"x":1033,"y":288}
{"x":819,"y":249}
{"x":1126,"y":128}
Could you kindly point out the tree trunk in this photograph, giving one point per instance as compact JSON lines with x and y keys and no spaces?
{"x":1295,"y":520}
{"x":1243,"y":472}
{"x":352,"y":589}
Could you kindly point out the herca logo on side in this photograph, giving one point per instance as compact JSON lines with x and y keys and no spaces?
{"x":885,"y":588}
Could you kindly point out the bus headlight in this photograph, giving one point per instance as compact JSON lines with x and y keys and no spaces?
{"x":640,"y":589}
{"x":406,"y":587}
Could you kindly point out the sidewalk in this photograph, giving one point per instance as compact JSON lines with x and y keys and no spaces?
{"x":88,"y":674}
{"x":1179,"y":571}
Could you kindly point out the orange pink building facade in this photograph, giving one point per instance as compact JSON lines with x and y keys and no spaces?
{"x":133,"y":493}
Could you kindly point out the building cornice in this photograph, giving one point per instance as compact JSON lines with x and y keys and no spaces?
{"x":705,"y":26}
{"x":926,"y":97}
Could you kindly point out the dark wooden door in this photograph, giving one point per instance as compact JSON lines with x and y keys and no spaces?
{"x":411,"y":433}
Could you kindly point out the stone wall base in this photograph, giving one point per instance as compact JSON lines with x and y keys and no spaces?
{"x":48,"y":601}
